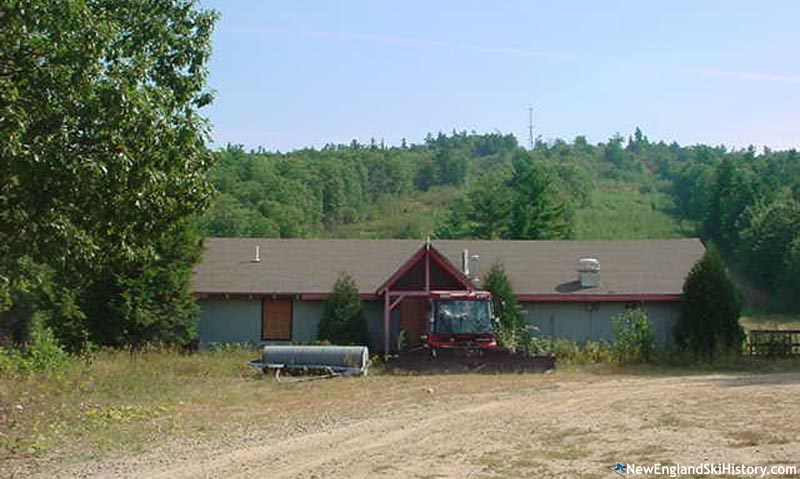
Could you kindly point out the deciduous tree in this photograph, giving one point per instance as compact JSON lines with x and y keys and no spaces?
{"x":103,"y":152}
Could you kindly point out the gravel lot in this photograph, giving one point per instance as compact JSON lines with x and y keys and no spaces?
{"x":554,"y":425}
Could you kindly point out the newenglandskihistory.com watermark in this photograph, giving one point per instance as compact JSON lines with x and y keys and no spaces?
{"x":704,"y":468}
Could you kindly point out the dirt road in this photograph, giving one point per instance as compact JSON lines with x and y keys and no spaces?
{"x":548,"y":427}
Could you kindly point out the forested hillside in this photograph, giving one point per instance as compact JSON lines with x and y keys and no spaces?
{"x":487,"y":186}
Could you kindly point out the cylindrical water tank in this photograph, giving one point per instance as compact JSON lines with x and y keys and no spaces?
{"x":335,"y":357}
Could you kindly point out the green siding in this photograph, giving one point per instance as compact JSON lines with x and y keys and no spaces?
{"x":239,"y":320}
{"x":663,"y":316}
{"x":580,"y":322}
{"x":373,"y":312}
{"x":305,"y":320}
{"x":229,"y":320}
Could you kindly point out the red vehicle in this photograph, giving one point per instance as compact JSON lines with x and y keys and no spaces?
{"x":461,"y":320}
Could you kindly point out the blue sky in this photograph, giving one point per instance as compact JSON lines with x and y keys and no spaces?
{"x":290,"y":74}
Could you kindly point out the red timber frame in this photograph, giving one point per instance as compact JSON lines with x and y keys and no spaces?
{"x":392,"y":297}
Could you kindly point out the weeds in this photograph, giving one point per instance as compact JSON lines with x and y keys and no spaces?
{"x":41,"y":354}
{"x":635,"y":340}
{"x":115,"y":400}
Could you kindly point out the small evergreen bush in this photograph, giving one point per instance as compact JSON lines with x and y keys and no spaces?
{"x":709,"y":323}
{"x":343,"y":319}
{"x":512,"y":332}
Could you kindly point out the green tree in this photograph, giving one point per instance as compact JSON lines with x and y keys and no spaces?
{"x":450,"y":165}
{"x":512,"y":330}
{"x":426,"y":176}
{"x":227,"y":217}
{"x":732,"y":194}
{"x":709,"y":323}
{"x":764,"y":243}
{"x":342,"y":320}
{"x":521,"y":203}
{"x":482,"y":212}
{"x":103,"y":150}
{"x":790,"y":281}
{"x":536,"y":210}
{"x":573,"y":182}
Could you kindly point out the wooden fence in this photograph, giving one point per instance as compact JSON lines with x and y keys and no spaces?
{"x":770,"y":342}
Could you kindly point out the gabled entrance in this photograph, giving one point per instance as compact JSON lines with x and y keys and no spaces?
{"x":411,"y":284}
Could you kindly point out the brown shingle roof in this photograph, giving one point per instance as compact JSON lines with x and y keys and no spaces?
{"x":633,"y":267}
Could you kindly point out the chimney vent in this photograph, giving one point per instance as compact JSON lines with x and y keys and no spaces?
{"x":465,"y":262}
{"x":589,"y":272}
{"x":476,"y":267}
{"x":257,"y":257}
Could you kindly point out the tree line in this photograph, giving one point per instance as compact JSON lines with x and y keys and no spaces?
{"x":306,"y":192}
{"x":749,"y":205}
{"x":744,"y":201}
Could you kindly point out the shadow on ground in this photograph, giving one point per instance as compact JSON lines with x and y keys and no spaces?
{"x":493,"y":361}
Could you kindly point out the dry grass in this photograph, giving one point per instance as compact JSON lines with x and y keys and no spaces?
{"x":770,"y":321}
{"x":116,"y":406}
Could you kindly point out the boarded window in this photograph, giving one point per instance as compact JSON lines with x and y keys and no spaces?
{"x":276,"y":319}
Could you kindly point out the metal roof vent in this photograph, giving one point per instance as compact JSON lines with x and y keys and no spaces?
{"x":589,"y":272}
{"x":257,"y":257}
{"x":476,"y":267}
{"x":472,"y":273}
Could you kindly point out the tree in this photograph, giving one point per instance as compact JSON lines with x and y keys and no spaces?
{"x":732,"y":194}
{"x":522,"y":203}
{"x":103,"y":153}
{"x":764,"y":243}
{"x":426,"y":176}
{"x":790,"y":282}
{"x":450,"y":165}
{"x":512,"y":330}
{"x":709,"y":322}
{"x":483,"y":212}
{"x":536,"y":211}
{"x":342,"y":320}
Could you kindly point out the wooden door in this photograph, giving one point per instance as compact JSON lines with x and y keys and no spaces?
{"x":413,"y":317}
{"x":276,"y":320}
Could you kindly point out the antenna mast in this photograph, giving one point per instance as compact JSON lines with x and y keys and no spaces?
{"x":530,"y":128}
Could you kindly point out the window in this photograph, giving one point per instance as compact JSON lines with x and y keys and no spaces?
{"x":462,"y":317}
{"x":276,"y":320}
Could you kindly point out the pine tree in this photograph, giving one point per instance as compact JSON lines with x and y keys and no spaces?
{"x":709,"y":322}
{"x":511,"y":323}
{"x":343,"y":319}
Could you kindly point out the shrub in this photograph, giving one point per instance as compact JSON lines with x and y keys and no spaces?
{"x":770,"y":343}
{"x":11,"y":361}
{"x":635,"y":339}
{"x":709,"y":323}
{"x":512,"y":331}
{"x":41,"y":354}
{"x":215,"y":347}
{"x":44,"y":353}
{"x":570,"y":352}
{"x":343,"y":319}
